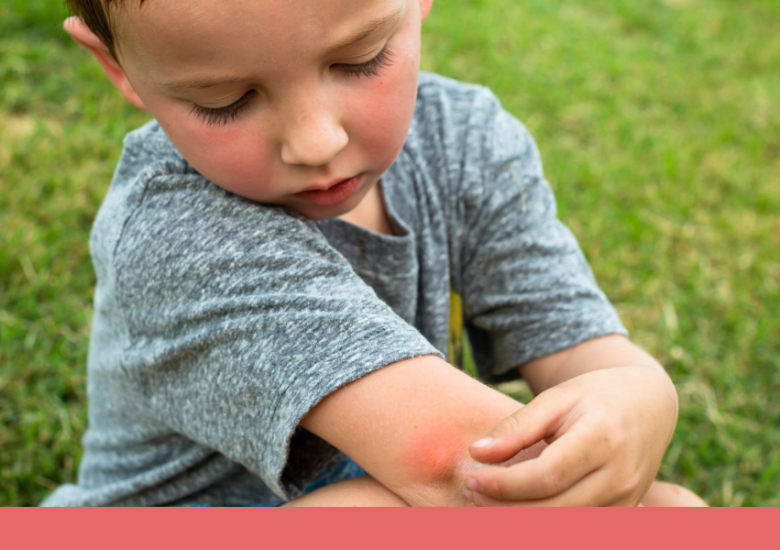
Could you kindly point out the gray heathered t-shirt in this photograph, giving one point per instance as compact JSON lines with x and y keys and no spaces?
{"x":220,"y":322}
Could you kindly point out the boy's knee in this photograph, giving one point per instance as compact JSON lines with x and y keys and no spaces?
{"x":671,"y":495}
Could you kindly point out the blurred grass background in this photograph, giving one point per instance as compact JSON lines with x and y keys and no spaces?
{"x":659,"y":123}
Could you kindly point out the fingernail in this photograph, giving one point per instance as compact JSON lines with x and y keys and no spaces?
{"x":484,"y":442}
{"x":473,"y":485}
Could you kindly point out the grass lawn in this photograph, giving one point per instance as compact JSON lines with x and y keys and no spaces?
{"x":659,"y":124}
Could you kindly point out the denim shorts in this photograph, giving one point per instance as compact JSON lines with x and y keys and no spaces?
{"x":347,"y":469}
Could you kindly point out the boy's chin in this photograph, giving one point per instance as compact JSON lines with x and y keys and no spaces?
{"x":317,"y":213}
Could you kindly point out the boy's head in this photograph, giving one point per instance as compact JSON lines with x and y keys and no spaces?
{"x":274,"y":100}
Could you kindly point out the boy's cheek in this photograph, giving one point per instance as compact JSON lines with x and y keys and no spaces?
{"x":243,"y":170}
{"x":236,"y":161}
{"x":386,"y":115}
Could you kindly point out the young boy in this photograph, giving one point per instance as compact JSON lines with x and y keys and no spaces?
{"x":275,"y":259}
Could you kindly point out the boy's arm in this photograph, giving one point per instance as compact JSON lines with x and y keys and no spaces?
{"x":410,"y":424}
{"x":608,"y":410}
{"x":530,"y":299}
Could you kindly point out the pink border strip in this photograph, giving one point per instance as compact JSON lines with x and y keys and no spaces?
{"x":396,"y":529}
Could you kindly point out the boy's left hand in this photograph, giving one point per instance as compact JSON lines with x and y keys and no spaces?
{"x":607,"y":432}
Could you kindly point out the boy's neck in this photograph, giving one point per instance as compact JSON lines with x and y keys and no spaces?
{"x":371,"y":213}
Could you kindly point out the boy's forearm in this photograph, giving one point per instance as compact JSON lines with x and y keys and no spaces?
{"x":600,"y":353}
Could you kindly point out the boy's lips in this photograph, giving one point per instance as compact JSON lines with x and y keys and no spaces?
{"x":330,"y":195}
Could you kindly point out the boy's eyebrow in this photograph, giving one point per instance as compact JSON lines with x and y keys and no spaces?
{"x":199,"y":83}
{"x":209,"y":82}
{"x":369,"y":29}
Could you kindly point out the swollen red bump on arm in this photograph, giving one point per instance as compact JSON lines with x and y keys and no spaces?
{"x":437,"y":457}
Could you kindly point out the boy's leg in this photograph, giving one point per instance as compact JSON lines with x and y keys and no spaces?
{"x":365,"y":491}
{"x":346,"y":485}
{"x":355,"y":492}
{"x":671,"y":495}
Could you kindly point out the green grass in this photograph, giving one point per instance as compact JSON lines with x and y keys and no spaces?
{"x":659,"y":123}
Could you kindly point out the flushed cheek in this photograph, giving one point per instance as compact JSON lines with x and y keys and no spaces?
{"x":382,"y":113}
{"x":383,"y":134}
{"x":240,"y":162}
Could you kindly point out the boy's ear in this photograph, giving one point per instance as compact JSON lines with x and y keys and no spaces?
{"x":425,"y":7}
{"x":79,"y":31}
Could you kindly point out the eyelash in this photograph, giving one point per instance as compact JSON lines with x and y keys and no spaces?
{"x":370,"y":68}
{"x":222,"y":115}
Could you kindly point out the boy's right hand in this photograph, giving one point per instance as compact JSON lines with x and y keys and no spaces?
{"x":607,"y":431}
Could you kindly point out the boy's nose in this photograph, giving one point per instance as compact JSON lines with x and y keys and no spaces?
{"x":313,"y":141}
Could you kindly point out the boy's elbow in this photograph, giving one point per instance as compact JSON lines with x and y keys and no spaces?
{"x":435,"y":468}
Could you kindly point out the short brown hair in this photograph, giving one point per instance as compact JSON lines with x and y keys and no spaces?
{"x":96,"y":15}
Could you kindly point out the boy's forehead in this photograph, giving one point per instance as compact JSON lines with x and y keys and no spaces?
{"x":183,"y":30}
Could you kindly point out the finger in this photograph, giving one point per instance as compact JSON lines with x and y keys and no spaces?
{"x":526,"y":454}
{"x":593,"y":490}
{"x":528,"y":425}
{"x":567,"y":461}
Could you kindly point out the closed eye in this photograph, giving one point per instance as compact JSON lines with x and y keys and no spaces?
{"x":370,"y":68}
{"x":221,"y":115}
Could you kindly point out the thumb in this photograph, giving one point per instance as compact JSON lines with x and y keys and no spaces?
{"x":528,"y":425}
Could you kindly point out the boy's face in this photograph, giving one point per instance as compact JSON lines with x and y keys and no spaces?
{"x":301,"y":103}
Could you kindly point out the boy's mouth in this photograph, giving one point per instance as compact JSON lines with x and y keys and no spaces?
{"x":330,"y":196}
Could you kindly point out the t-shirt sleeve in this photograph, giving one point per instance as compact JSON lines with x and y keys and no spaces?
{"x":527,"y":289}
{"x":241,"y":318}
